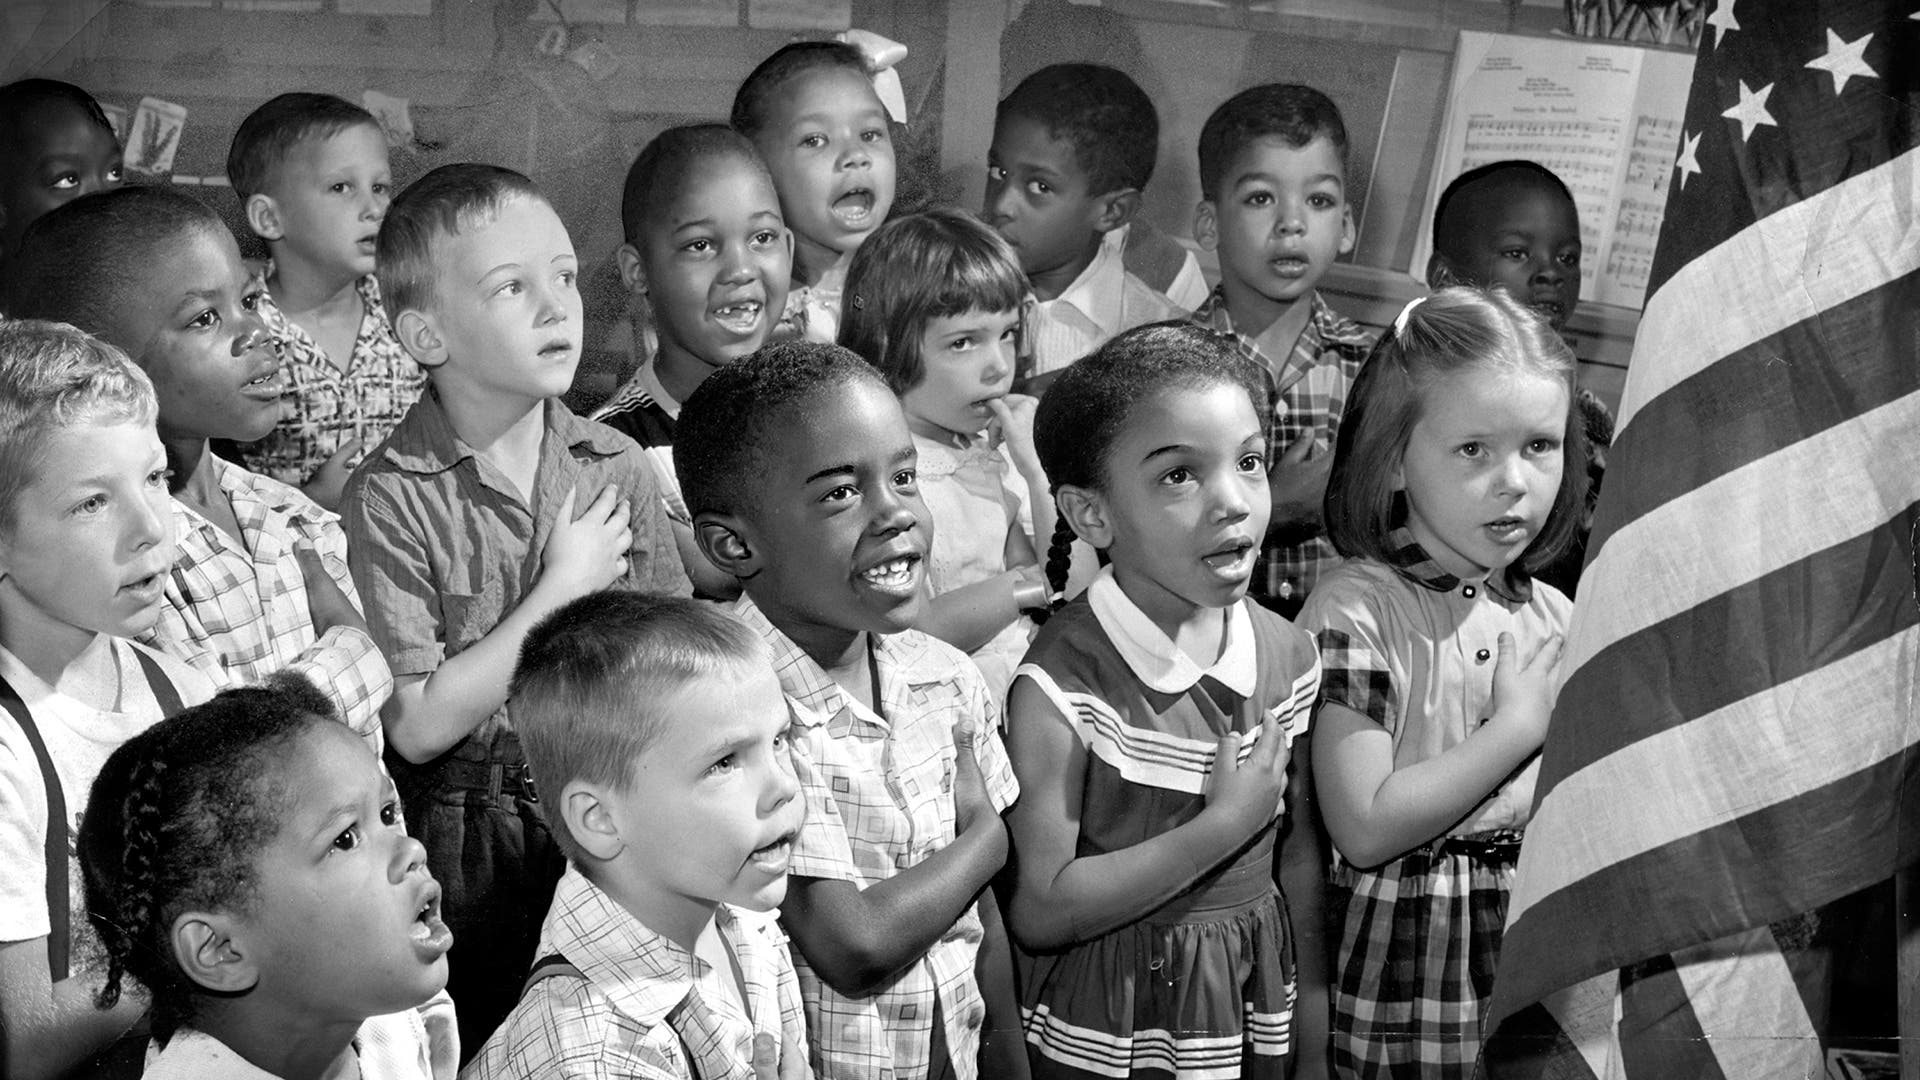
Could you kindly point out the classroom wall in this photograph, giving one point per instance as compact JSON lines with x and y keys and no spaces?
{"x":480,"y":89}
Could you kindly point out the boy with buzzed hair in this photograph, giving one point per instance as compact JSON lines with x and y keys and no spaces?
{"x":657,"y":726}
{"x":799,"y":469}
{"x":489,"y":506}
{"x":1512,"y":224}
{"x":1073,"y":148}
{"x":311,"y":173}
{"x":1273,"y":187}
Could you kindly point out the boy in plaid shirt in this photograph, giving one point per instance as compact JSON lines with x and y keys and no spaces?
{"x":798,"y":470}
{"x":1273,"y":176}
{"x":658,"y":728}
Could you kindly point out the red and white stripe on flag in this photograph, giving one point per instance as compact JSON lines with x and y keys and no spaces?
{"x":1737,"y":739}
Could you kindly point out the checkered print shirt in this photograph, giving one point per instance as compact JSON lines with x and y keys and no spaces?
{"x":640,"y":1010}
{"x":879,"y":795}
{"x":323,"y":406}
{"x":238,"y":612}
{"x":1306,"y":394}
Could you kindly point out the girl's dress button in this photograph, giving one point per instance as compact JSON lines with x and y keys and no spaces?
{"x":1469,"y":592}
{"x":1481,"y":656}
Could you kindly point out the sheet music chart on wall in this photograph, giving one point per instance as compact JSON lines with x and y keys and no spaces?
{"x":1604,"y":117}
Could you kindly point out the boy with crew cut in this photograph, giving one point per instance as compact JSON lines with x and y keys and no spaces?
{"x":1512,"y":224}
{"x":311,"y":173}
{"x":489,"y":506}
{"x":799,"y":469}
{"x":1073,"y":148}
{"x":1273,"y":185}
{"x":657,"y":726}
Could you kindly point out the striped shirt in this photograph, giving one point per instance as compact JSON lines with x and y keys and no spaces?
{"x":879,"y":794}
{"x":1306,"y":395}
{"x":239,"y":612}
{"x":639,"y":1010}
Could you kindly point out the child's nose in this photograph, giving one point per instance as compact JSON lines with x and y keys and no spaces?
{"x":408,"y":854}
{"x":148,"y":521}
{"x":1230,"y":502}
{"x":892,"y":512}
{"x":782,"y":786}
{"x":855,"y":154}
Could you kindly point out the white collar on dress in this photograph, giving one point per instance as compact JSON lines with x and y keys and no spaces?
{"x":1153,"y":656}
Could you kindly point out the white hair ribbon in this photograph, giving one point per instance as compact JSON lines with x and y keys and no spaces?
{"x":1400,"y":320}
{"x":881,"y":55}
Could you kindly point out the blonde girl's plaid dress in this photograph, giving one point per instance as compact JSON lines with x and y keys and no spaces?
{"x":1411,"y":647}
{"x":1204,"y":986}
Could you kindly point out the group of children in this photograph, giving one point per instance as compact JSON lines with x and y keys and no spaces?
{"x":893,"y":679}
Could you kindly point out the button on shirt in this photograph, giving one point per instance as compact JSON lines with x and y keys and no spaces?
{"x":641,"y":1008}
{"x":879,"y":796}
{"x":239,"y":612}
{"x":1401,"y":645}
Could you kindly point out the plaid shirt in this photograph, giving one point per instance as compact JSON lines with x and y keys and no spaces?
{"x":639,"y":1010}
{"x":1306,"y":394}
{"x":238,"y":612}
{"x":322,"y":405}
{"x":879,"y":794}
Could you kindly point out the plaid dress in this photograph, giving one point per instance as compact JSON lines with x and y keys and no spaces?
{"x":1411,"y":647}
{"x":1204,"y":986}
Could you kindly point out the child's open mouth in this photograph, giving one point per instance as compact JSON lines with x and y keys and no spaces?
{"x":855,"y":208}
{"x":772,"y":859}
{"x":1507,"y":530}
{"x":742,"y":317}
{"x":898,"y":576}
{"x":264,"y":386}
{"x":431,"y":938}
{"x":1290,"y":266}
{"x":146,"y":589}
{"x":1232,"y":559}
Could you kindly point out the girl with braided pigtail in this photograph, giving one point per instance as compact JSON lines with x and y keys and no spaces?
{"x":1151,"y":727}
{"x":246,"y":866}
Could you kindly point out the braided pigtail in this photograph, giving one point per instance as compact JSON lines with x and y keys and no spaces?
{"x":1059,"y":561}
{"x":127,"y":924}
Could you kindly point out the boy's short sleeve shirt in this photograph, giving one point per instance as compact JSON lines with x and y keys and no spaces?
{"x":1307,"y":394}
{"x":879,"y":794}
{"x":239,"y":612}
{"x":639,"y":1009}
{"x":79,"y":739}
{"x":443,"y":547}
{"x":323,"y":406}
{"x":1103,"y":301}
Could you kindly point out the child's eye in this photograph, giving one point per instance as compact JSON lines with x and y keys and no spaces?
{"x":724,"y":766}
{"x":697,"y":247}
{"x":568,"y":277}
{"x":961,"y":343}
{"x":511,"y":288}
{"x":997,"y":174}
{"x":340,"y":187}
{"x":780,"y":741}
{"x":1259,"y":198}
{"x":347,"y":840}
{"x":1039,"y":187}
{"x":66,"y":181}
{"x":390,"y":814}
{"x":381,"y":187}
{"x":841,"y":494}
{"x":251,"y":301}
{"x":205,"y":320}
{"x":1516,"y":254}
{"x":116,"y":174}
{"x":1320,"y":201}
{"x":1470,"y":450}
{"x":814,"y":141}
{"x":874,"y":135}
{"x":1571,"y":258}
{"x":159,"y":477}
{"x":1253,"y":463}
{"x":766,"y":238}
{"x":906,"y":478}
{"x":1179,"y":474}
{"x":91,"y":505}
{"x":1544,"y":446}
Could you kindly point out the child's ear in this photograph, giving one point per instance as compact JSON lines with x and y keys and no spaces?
{"x":587,"y":818}
{"x":1347,"y":231}
{"x":633,"y":272}
{"x":1441,"y":272}
{"x":1116,"y":209}
{"x":1206,"y":226}
{"x":723,"y":540}
{"x":263,"y":217}
{"x":211,"y":954}
{"x":1086,"y":512}
{"x":420,"y":337}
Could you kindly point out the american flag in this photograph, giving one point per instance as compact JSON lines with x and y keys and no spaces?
{"x":1737,"y":740}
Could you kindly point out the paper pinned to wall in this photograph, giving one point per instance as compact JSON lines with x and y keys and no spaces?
{"x":154,"y":137}
{"x":1605,"y":117}
{"x":800,"y":14}
{"x":395,"y":115}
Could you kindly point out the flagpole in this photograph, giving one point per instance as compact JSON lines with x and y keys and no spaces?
{"x":1906,"y":906}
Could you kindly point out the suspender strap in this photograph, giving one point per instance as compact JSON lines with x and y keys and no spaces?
{"x":59,"y":902}
{"x":55,"y":857}
{"x":554,"y":964}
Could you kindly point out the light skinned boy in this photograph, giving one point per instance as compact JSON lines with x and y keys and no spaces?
{"x":85,"y":541}
{"x":1512,"y":224}
{"x":260,"y":583}
{"x":706,"y":262}
{"x":658,"y":725}
{"x":1073,"y":148}
{"x":1273,"y":183}
{"x":311,"y":173}
{"x":55,"y":146}
{"x":489,"y":506}
{"x":799,"y":469}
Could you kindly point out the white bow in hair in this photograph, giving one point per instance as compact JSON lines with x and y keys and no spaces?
{"x":1400,"y":320}
{"x":881,"y":55}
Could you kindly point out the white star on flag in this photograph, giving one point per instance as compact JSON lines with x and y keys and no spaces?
{"x":1752,"y":110}
{"x":1844,"y":60}
{"x":1689,"y":162}
{"x":1723,"y":21}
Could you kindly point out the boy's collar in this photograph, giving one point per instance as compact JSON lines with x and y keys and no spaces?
{"x":425,"y":440}
{"x":644,"y":973}
{"x":1096,"y":291}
